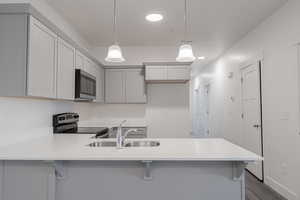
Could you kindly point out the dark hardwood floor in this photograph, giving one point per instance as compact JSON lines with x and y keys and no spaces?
{"x":255,"y":190}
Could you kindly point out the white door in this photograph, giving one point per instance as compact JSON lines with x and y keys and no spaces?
{"x":252,"y":131}
{"x":135,"y":86}
{"x":65,"y":71}
{"x":206,"y":111}
{"x":114,"y":86}
{"x":42,"y":61}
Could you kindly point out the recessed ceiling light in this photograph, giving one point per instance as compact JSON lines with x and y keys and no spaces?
{"x":154,"y":17}
{"x":201,"y":58}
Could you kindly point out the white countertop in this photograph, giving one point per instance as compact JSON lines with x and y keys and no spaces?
{"x":73,"y":147}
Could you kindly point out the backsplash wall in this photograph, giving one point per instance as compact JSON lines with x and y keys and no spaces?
{"x":166,"y":113}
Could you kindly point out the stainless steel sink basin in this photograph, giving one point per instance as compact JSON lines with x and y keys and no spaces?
{"x":127,"y":144}
{"x":142,"y":144}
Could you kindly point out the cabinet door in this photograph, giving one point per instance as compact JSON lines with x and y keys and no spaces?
{"x":41,"y":78}
{"x":114,"y":86}
{"x":178,"y":73}
{"x":135,"y":90}
{"x":79,"y":61}
{"x":89,"y":67}
{"x":28,"y":180}
{"x":65,"y":71}
{"x":156,"y":73}
{"x":100,"y":84}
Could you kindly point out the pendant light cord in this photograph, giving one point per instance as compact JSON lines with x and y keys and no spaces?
{"x":115,"y":22}
{"x":185,"y":20}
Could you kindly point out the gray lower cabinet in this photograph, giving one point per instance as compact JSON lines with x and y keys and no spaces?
{"x":28,"y":180}
{"x":111,"y":180}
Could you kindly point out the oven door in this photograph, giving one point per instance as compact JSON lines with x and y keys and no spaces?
{"x":85,"y":86}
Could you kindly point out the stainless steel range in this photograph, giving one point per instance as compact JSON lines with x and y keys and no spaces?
{"x":67,"y":123}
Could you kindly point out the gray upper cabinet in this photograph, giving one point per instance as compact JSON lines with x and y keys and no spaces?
{"x":41,"y":79}
{"x":135,"y":87}
{"x":65,"y":71}
{"x":168,"y":74}
{"x":125,"y":86}
{"x":36,"y":62}
{"x":100,"y":84}
{"x":79,"y":60}
{"x":13,"y":55}
{"x":156,"y":73}
{"x":114,"y":86}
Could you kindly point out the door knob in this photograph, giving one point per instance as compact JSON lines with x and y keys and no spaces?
{"x":256,"y":126}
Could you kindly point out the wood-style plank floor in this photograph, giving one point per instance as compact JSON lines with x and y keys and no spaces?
{"x":255,"y":190}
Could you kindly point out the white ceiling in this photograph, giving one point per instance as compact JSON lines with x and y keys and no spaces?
{"x":214,"y":24}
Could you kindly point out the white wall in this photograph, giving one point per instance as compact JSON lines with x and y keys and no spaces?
{"x":275,"y":39}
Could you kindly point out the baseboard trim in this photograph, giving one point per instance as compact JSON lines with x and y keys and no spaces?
{"x":281,"y":189}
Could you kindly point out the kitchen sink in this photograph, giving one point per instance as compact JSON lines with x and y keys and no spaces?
{"x":127,"y":144}
{"x":142,"y":144}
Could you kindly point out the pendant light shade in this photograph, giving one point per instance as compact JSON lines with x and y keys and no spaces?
{"x":114,"y":51}
{"x":114,"y":54}
{"x":185,"y":53}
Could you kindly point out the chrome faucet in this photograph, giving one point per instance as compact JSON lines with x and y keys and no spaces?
{"x":120,"y":137}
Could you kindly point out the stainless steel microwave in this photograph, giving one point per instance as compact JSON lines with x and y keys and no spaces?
{"x":85,"y":86}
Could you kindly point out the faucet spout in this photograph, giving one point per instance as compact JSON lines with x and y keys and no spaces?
{"x":121,"y":137}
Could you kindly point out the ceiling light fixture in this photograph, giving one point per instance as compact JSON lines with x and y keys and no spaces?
{"x":114,"y":51}
{"x":185,"y":53}
{"x":154,"y":17}
{"x":201,"y":58}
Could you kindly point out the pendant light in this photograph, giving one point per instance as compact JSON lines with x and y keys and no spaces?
{"x":114,"y":51}
{"x":185,"y":53}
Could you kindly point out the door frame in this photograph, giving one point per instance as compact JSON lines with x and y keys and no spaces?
{"x":258,"y":60}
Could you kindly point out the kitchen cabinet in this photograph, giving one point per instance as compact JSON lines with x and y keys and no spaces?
{"x":156,"y":73}
{"x":125,"y":86}
{"x":35,"y":62}
{"x":168,"y":74}
{"x":79,"y":60}
{"x":65,"y":71}
{"x":178,"y":73}
{"x":135,"y":87}
{"x":28,"y":180}
{"x":114,"y":86}
{"x":41,"y":73}
{"x":100,"y":84}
